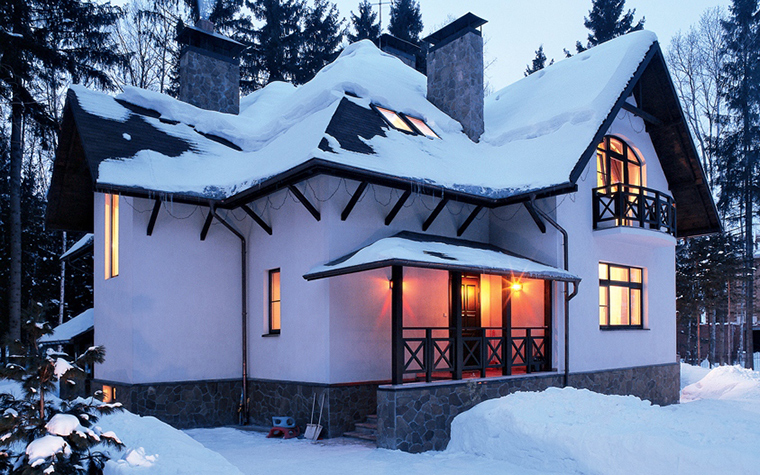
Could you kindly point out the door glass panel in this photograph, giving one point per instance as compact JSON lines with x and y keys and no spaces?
{"x":601,"y":169}
{"x":616,"y":170}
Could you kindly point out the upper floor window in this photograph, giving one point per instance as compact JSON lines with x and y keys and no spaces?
{"x":112,"y":236}
{"x":274,"y":301}
{"x":616,"y":162}
{"x":620,"y":296}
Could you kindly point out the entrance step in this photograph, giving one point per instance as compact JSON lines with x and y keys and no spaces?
{"x":364,"y":430}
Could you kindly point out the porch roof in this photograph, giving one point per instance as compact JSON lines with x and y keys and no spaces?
{"x":437,"y":252}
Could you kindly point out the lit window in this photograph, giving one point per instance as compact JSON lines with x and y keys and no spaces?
{"x":422,"y":127}
{"x":109,"y":393}
{"x":112,"y":236}
{"x":274,"y":301}
{"x":395,"y":120}
{"x":616,"y":163}
{"x":620,"y":296}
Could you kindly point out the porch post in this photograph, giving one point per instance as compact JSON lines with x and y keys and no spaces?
{"x":549,"y":332}
{"x":397,"y":325}
{"x":506,"y":325}
{"x":456,"y":312}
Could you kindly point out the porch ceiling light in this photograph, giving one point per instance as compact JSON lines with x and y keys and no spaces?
{"x":516,"y":286}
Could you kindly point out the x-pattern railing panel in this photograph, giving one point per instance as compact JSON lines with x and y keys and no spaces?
{"x":636,"y":206}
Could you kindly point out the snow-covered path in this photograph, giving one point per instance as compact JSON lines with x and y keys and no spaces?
{"x":253,"y":453}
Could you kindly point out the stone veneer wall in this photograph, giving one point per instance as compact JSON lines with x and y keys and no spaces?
{"x":192,"y":404}
{"x":455,"y":81}
{"x":417,"y":417}
{"x":184,"y":405}
{"x":344,"y":405}
{"x":208,"y":82}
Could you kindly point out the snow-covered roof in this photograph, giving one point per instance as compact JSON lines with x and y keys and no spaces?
{"x":64,"y":332}
{"x":419,"y":250}
{"x":79,"y":247}
{"x":550,"y":117}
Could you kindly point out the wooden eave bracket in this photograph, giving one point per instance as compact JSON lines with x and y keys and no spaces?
{"x":397,"y":207}
{"x":354,"y":199}
{"x":153,"y":216}
{"x":207,"y":223}
{"x":435,"y":213}
{"x":536,"y":218}
{"x":305,"y":202}
{"x":257,"y":219}
{"x":643,"y":114}
{"x":469,"y":220}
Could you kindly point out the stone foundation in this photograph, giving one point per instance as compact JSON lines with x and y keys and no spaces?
{"x":184,"y":405}
{"x":344,"y":404}
{"x":194,"y":404}
{"x":417,"y":417}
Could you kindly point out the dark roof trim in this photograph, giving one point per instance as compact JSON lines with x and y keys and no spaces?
{"x":466,"y":22}
{"x":602,"y":131}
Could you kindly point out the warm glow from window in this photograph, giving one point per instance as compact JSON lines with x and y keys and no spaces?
{"x":395,"y":120}
{"x":111,"y":236}
{"x":620,"y":295}
{"x":420,"y":125}
{"x":616,"y":162}
{"x":274,"y":301}
{"x":109,"y":394}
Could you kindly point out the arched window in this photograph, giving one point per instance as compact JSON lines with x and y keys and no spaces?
{"x":616,"y":162}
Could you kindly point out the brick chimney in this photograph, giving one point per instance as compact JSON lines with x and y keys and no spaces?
{"x":209,"y":68}
{"x":455,"y":72}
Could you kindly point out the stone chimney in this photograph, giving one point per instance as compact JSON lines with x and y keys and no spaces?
{"x":209,"y":68}
{"x":455,"y":72}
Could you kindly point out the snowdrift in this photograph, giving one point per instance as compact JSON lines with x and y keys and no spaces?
{"x":579,"y":431}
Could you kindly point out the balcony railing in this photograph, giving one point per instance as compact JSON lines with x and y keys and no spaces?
{"x":431,"y":351}
{"x":634,"y":206}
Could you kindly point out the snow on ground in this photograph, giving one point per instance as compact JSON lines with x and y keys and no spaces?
{"x":690,"y":374}
{"x":157,"y":448}
{"x":713,"y":430}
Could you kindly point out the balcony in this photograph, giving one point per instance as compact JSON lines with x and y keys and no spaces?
{"x":633,"y":206}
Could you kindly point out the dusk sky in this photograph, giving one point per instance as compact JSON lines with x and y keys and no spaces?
{"x":515,"y":29}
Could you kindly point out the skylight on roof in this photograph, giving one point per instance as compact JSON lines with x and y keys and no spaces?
{"x":395,"y":120}
{"x":420,"y":125}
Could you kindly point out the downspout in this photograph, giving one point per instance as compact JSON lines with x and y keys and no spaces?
{"x":243,"y":417}
{"x":568,"y":295}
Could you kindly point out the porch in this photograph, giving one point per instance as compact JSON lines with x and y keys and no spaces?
{"x":458,"y":309}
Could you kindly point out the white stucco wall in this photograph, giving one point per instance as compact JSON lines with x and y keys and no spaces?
{"x":590,"y":347}
{"x":173,"y":312}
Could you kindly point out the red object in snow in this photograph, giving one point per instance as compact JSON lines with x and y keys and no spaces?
{"x":284,"y":432}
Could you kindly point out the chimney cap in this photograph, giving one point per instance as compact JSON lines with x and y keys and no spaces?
{"x":214,"y":42}
{"x":466,"y":22}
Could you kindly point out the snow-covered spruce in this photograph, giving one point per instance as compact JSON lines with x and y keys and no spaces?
{"x":40,"y":433}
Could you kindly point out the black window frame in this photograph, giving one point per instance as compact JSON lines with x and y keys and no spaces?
{"x":608,"y":282}
{"x":271,"y":301}
{"x":605,"y":148}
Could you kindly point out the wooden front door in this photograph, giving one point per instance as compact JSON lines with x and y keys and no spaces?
{"x":471,"y":331}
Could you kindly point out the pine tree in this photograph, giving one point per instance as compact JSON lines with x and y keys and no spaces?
{"x":606,"y":21}
{"x":322,"y":36}
{"x":406,"y":20}
{"x":539,"y":62}
{"x":739,"y":147}
{"x":275,"y":46}
{"x":365,"y":23}
{"x":39,"y":38}
{"x":35,"y":422}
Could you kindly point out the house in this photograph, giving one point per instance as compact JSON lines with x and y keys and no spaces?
{"x":74,"y":337}
{"x":393,"y":241}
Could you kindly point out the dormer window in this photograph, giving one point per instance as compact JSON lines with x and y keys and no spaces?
{"x":405,"y":123}
{"x":394,"y":120}
{"x":422,"y":127}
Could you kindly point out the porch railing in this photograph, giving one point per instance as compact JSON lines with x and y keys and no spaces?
{"x":635,"y":206}
{"x":431,"y":351}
